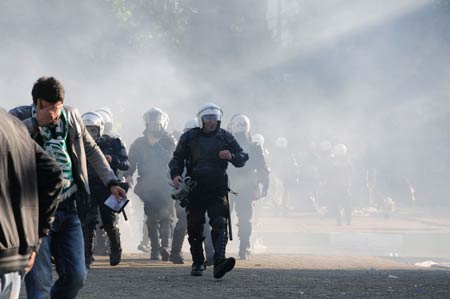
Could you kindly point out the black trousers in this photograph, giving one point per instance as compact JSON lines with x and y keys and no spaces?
{"x":216,"y":205}
{"x":89,"y":222}
{"x":98,"y":197}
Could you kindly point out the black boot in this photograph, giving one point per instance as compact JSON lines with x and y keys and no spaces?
{"x":219,"y":236}
{"x":198,"y":266}
{"x":222,"y":266}
{"x":115,"y":255}
{"x":198,"y":269}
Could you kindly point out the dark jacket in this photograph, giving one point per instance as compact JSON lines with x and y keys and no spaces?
{"x":199,"y":153}
{"x":114,"y":147}
{"x":29,"y":186}
{"x":80,"y":145}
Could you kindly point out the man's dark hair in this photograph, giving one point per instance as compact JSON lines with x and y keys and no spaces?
{"x":48,"y":89}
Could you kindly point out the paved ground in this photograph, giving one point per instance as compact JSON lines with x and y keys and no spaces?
{"x":270,"y":276}
{"x":318,"y":260}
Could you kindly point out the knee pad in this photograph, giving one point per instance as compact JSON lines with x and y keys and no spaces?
{"x":219,"y":223}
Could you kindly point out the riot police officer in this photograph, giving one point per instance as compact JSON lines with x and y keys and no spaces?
{"x":116,"y":154}
{"x":205,"y":152}
{"x":181,"y":226}
{"x":251,"y":182}
{"x":150,"y":154}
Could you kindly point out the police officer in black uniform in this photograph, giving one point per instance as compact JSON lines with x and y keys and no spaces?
{"x":250,"y":182}
{"x":150,"y":155}
{"x":180,"y":229}
{"x":205,"y":152}
{"x":116,"y":154}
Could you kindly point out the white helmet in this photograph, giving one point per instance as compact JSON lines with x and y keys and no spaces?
{"x":107,"y":117}
{"x":340,"y":150}
{"x":94,"y":123}
{"x":324,"y":146}
{"x":190,"y":124}
{"x":239,"y":123}
{"x":281,"y":142}
{"x":209,"y":109}
{"x":156,"y":119}
{"x":258,"y":139}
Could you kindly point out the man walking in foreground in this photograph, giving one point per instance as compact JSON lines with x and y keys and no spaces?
{"x":61,"y":132}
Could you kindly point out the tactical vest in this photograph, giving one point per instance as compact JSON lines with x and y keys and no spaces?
{"x":203,"y":163}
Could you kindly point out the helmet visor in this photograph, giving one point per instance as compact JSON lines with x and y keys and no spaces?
{"x":154,"y":126}
{"x":93,"y":131}
{"x":211,"y":111}
{"x":210,"y":117}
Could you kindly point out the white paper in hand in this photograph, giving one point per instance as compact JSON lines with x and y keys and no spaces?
{"x":112,"y":203}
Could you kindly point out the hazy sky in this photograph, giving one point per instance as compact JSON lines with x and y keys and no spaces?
{"x":371,"y":74}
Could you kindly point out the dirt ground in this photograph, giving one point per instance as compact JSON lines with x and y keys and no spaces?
{"x":304,"y":256}
{"x":269,"y":276}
